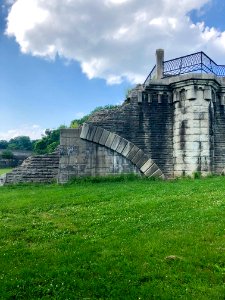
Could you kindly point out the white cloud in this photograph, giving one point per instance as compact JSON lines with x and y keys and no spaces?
{"x":33,"y":131}
{"x":112,"y":39}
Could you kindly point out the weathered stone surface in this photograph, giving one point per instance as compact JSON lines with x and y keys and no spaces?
{"x":91,"y":159}
{"x":132,"y":152}
{"x":91,"y":133}
{"x":116,"y":142}
{"x":98,"y":134}
{"x":104,"y":137}
{"x":84,"y":131}
{"x":127,"y":149}
{"x":137,"y":156}
{"x":147,"y":165}
{"x":121,"y":146}
{"x":110,"y":139}
{"x":142,"y":161}
{"x":150,"y":172}
{"x":39,"y":168}
{"x":157,"y":173}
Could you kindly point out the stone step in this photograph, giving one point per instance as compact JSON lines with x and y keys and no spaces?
{"x":39,"y":168}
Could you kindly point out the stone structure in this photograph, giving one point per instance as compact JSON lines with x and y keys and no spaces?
{"x":18,"y":157}
{"x":39,"y":168}
{"x":172,"y":125}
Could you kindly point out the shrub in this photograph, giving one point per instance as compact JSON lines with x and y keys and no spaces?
{"x":7,"y":154}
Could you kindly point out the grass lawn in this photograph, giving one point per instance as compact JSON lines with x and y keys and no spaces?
{"x":113,"y":240}
{"x":3,"y":171}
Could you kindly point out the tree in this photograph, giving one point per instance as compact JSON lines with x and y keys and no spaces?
{"x":3,"y":144}
{"x":20,"y":143}
{"x":49,"y":141}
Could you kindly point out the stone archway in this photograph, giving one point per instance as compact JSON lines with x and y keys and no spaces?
{"x":122,"y":146}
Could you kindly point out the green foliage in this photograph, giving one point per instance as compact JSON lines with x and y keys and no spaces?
{"x":3,"y":144}
{"x":20,"y":143}
{"x":17,"y":143}
{"x":197,"y":175}
{"x":131,"y":239}
{"x":99,"y":108}
{"x":101,"y":179}
{"x":49,"y":142}
{"x":78,"y":122}
{"x":7,"y":154}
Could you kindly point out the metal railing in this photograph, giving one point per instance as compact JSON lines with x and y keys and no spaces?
{"x":193,"y":63}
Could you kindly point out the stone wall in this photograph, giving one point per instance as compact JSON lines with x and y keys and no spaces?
{"x":147,"y":121}
{"x":80,"y":157}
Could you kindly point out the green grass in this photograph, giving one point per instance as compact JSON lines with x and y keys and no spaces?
{"x":134,"y":239}
{"x":6,"y":170}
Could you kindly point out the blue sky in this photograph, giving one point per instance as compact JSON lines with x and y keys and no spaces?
{"x":62,"y":59}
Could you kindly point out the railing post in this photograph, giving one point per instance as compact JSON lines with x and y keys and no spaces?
{"x":159,"y":63}
{"x":201,"y":62}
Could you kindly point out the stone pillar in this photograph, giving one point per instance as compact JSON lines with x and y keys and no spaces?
{"x":159,"y":63}
{"x":191,"y":132}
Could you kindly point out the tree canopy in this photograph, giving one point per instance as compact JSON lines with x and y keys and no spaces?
{"x":17,"y":143}
{"x":49,"y":142}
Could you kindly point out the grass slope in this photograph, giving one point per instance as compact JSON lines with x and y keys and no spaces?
{"x":3,"y":171}
{"x":113,"y":240}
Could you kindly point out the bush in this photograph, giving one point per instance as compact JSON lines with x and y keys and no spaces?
{"x":7,"y":154}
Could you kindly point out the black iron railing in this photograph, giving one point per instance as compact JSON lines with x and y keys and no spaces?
{"x":193,"y":63}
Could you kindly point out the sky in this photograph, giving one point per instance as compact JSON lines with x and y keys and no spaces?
{"x":61,"y":59}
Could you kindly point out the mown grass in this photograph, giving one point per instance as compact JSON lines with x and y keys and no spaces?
{"x":6,"y":170}
{"x":130,"y":239}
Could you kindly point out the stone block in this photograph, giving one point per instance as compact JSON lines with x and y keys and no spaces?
{"x":139,"y":97}
{"x":132,"y":152}
{"x":150,"y":171}
{"x":222,"y":100}
{"x":137,"y":156}
{"x":208,"y":94}
{"x":149,"y":98}
{"x":91,"y":133}
{"x":110,"y":139}
{"x":121,"y":145}
{"x":104,"y":137}
{"x":63,"y":140}
{"x":147,"y":165}
{"x":142,"y":161}
{"x":70,"y":132}
{"x":157,"y":173}
{"x":84,"y":131}
{"x":127,"y":149}
{"x":116,"y":142}
{"x":98,"y":134}
{"x":191,"y":93}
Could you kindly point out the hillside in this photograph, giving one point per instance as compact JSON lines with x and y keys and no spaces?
{"x":128,"y":239}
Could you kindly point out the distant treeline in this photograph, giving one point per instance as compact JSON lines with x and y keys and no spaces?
{"x":50,"y":140}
